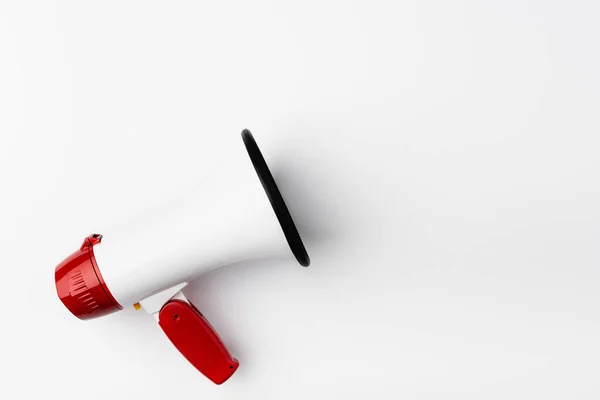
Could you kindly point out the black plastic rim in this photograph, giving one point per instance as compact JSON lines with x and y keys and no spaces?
{"x":281,"y":211}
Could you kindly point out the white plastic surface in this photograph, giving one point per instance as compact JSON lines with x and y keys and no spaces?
{"x":155,"y":302}
{"x":226,"y":219}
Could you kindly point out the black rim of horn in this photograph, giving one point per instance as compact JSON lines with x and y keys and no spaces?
{"x":281,"y":211}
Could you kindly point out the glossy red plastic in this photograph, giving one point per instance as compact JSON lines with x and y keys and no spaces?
{"x":80,"y":285}
{"x":196,"y":340}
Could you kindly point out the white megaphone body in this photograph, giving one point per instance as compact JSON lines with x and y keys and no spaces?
{"x":238,"y":216}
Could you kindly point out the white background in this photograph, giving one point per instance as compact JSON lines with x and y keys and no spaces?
{"x":440,"y":158}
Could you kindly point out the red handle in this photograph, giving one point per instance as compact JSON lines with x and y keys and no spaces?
{"x":196,"y":340}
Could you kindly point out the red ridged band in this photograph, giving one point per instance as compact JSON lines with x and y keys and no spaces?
{"x":80,"y":286}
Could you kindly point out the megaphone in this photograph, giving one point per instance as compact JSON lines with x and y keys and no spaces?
{"x":240,"y":215}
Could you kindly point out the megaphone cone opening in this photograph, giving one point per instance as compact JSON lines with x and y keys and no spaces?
{"x":281,"y":211}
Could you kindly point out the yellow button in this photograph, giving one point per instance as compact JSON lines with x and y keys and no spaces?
{"x":137,"y":306}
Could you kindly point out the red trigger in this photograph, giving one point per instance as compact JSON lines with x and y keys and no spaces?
{"x":196,"y":340}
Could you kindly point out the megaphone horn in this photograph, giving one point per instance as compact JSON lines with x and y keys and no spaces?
{"x":146,"y":262}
